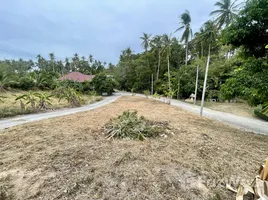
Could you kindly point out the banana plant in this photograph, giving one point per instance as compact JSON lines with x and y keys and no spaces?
{"x":72,"y":96}
{"x":28,"y":100}
{"x":44,"y":100}
{"x":34,"y":100}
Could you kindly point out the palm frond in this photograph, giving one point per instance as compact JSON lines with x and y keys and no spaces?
{"x":180,"y":28}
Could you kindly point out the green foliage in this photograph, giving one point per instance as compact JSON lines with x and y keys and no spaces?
{"x":130,"y":125}
{"x":26,"y":83}
{"x":34,"y":100}
{"x":261,"y":115}
{"x":249,"y":30}
{"x":249,"y":81}
{"x":157,"y":96}
{"x":146,"y":93}
{"x":6,"y":80}
{"x":29,"y":100}
{"x":103,"y":84}
{"x":44,"y":100}
{"x":265,"y":108}
{"x":72,"y":96}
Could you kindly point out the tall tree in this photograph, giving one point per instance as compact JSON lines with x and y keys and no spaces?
{"x":52,"y":61}
{"x":209,"y":36}
{"x":146,"y":38}
{"x":67,"y":64}
{"x":167,"y":39}
{"x":185,"y":21}
{"x":40,"y":62}
{"x":158,"y":44}
{"x":91,"y":59}
{"x":226,"y":12}
{"x":75,"y":63}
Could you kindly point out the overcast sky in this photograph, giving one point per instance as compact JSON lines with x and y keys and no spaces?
{"x":99,"y":27}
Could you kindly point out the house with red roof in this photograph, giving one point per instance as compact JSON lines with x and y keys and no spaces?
{"x":77,"y":76}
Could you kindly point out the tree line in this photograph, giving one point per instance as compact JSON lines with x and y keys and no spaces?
{"x":229,"y":49}
{"x":44,"y":73}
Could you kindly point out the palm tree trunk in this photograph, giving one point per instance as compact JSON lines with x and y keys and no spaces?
{"x":152,"y":87}
{"x":196,"y":85}
{"x":186,"y":54}
{"x":179,"y":86}
{"x":202,"y":50}
{"x":169,"y":88}
{"x":158,"y":67}
{"x":205,"y":83}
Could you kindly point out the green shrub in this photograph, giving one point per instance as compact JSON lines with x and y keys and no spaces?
{"x":260,"y":115}
{"x":129,"y":125}
{"x":146,"y":93}
{"x":72,"y":96}
{"x":26,"y":83}
{"x":156,"y":95}
{"x":103,"y":84}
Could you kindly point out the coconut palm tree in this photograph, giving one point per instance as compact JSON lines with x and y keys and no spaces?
{"x":209,"y":36}
{"x":198,"y":42}
{"x":75,"y":62}
{"x":67,"y":64}
{"x":167,"y":40}
{"x":225,"y":13}
{"x":40,"y":62}
{"x":185,"y":22}
{"x":91,"y":59}
{"x":157,"y":43}
{"x":146,"y":38}
{"x":52,"y":60}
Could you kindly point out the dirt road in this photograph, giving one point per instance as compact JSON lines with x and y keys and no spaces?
{"x":244,"y":123}
{"x":6,"y":123}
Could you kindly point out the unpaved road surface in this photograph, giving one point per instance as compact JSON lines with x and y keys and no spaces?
{"x":68,"y":157}
{"x":244,"y":123}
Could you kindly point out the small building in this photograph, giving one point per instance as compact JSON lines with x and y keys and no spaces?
{"x":77,"y":76}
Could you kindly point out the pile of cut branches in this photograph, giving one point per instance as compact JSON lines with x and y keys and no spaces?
{"x":130,"y":125}
{"x":258,"y":188}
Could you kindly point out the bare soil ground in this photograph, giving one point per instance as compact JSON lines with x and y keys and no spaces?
{"x":69,"y":157}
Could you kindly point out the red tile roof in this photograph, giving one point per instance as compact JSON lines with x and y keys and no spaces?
{"x":77,"y":76}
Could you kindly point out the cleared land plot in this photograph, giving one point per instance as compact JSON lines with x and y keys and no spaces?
{"x":69,"y":157}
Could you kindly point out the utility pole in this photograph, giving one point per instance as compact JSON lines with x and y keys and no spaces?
{"x":196,"y":85}
{"x":152,"y":88}
{"x":205,"y":83}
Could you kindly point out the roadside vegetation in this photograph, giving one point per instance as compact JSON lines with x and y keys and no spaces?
{"x":31,"y":87}
{"x":232,"y":50}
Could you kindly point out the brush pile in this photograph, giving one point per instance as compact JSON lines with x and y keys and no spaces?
{"x":129,"y":125}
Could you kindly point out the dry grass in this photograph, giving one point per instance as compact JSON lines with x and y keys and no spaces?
{"x":11,"y":108}
{"x":69,"y":157}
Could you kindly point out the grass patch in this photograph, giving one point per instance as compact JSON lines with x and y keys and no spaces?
{"x":9,"y":107}
{"x":130,"y":125}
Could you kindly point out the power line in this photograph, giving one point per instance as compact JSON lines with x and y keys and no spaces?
{"x":16,"y":51}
